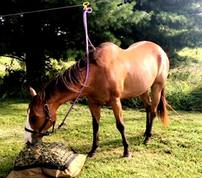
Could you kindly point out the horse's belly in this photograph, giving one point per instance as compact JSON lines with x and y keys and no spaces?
{"x":135,"y":85}
{"x":135,"y":89}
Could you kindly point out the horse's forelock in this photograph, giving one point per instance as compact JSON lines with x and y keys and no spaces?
{"x":37,"y":100}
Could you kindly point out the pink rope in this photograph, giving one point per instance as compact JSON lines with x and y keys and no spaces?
{"x":88,"y":42}
{"x":86,"y":11}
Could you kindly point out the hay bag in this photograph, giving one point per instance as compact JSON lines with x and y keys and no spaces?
{"x":45,"y":160}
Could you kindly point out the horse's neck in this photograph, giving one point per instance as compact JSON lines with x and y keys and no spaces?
{"x":71,"y":86}
{"x":60,"y":98}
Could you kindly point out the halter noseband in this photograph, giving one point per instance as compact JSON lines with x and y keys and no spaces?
{"x":47,"y":119}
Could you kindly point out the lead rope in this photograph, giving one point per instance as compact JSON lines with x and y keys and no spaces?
{"x":86,"y":10}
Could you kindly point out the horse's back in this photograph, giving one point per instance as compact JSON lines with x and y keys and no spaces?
{"x":132,"y":71}
{"x":138,"y":52}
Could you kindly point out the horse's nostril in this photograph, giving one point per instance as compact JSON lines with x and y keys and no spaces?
{"x":28,"y":143}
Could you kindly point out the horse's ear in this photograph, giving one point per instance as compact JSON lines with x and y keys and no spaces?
{"x":32,"y":92}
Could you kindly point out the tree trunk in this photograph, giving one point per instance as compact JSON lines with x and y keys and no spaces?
{"x":35,"y":57}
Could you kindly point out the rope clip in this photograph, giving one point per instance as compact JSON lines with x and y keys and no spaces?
{"x":86,"y":7}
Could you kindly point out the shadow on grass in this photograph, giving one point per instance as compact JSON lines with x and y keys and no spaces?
{"x":109,"y":145}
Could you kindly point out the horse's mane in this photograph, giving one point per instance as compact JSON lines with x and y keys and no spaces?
{"x":68,"y":80}
{"x":73,"y":77}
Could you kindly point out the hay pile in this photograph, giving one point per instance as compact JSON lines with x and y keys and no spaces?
{"x":47,"y":159}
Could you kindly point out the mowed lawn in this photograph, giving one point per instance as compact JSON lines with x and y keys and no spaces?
{"x":175,"y":151}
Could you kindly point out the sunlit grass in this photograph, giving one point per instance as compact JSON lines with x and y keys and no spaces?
{"x":173,"y":152}
{"x":194,"y":53}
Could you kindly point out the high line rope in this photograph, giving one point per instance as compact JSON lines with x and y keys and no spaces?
{"x":51,"y":9}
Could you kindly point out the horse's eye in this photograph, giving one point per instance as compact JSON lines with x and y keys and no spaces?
{"x":33,"y":120}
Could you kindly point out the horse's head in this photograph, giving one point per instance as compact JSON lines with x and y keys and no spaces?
{"x":40,"y":117}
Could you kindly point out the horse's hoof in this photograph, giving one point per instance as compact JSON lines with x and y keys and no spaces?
{"x":146,"y":141}
{"x":127,"y":155}
{"x":91,"y":154}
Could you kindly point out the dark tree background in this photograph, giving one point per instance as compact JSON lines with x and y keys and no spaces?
{"x":35,"y":38}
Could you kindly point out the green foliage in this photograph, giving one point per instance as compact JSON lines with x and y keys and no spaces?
{"x":132,"y":103}
{"x":184,"y":84}
{"x":58,"y":67}
{"x":7,"y":63}
{"x":11,"y":85}
{"x":171,"y":19}
{"x":12,"y":77}
{"x":174,"y":24}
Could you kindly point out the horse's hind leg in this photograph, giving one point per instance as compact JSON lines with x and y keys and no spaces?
{"x":152,"y":110}
{"x":95,"y":112}
{"x":147,"y":104}
{"x":117,"y":109}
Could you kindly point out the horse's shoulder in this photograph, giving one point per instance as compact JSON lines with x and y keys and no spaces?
{"x":105,"y":53}
{"x":107,"y":44}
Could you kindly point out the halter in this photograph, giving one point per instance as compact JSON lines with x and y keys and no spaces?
{"x":47,"y":119}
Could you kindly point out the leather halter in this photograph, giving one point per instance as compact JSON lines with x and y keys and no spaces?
{"x":47,"y":119}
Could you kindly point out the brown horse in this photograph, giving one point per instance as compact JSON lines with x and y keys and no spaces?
{"x":114,"y":74}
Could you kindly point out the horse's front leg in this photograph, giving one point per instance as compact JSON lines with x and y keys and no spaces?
{"x":117,"y":109}
{"x":95,"y":112}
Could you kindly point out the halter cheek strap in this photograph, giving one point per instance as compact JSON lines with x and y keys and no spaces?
{"x":37,"y":133}
{"x":47,"y":119}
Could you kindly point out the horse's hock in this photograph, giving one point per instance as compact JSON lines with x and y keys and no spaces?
{"x":43,"y":160}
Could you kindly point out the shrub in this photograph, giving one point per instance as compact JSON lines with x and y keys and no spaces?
{"x":12,"y":84}
{"x":132,"y":103}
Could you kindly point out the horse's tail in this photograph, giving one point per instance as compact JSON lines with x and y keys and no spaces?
{"x":162,"y":109}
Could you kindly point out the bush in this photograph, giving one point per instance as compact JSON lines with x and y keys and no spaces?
{"x":132,"y":103}
{"x":12,"y":84}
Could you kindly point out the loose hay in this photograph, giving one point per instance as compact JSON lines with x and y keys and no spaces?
{"x":53,"y":159}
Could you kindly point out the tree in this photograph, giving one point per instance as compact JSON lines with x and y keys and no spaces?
{"x":35,"y":38}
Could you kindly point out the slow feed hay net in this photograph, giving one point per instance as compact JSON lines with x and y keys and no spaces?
{"x":53,"y":159}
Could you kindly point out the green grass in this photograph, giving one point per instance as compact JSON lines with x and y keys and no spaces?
{"x":173,"y":152}
{"x":191,"y":53}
